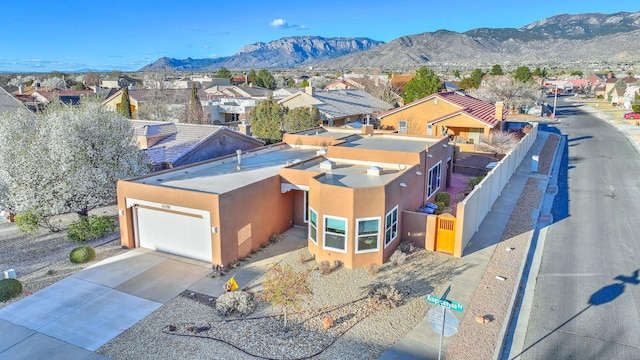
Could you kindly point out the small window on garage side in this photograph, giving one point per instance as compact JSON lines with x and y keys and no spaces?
{"x":335,"y":234}
{"x":313,"y":225}
{"x":368,"y":234}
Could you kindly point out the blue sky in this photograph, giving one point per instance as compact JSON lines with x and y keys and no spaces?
{"x":47,"y":35}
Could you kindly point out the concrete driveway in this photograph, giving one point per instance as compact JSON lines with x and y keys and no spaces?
{"x":77,"y":315}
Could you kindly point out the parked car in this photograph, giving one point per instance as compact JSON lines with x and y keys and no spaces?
{"x":632,"y":115}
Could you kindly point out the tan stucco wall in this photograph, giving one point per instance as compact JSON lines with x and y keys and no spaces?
{"x":250,"y":215}
{"x":114,"y":102}
{"x":295,"y":139}
{"x":417,"y":116}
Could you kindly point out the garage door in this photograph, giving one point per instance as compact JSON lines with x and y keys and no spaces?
{"x":180,"y":234}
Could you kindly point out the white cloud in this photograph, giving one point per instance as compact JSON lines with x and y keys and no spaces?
{"x":283,"y":24}
{"x":279,"y":24}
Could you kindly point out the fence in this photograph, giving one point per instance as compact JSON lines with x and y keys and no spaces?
{"x":473,"y":209}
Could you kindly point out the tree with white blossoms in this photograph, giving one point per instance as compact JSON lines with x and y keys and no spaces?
{"x":55,"y":82}
{"x":65,"y":159}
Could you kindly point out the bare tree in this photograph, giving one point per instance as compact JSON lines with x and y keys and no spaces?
{"x":515,"y":94}
{"x":500,"y":142}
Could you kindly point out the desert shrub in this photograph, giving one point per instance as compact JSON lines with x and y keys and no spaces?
{"x":336,"y":264}
{"x":324,"y":267}
{"x":28,"y":222}
{"x":441,"y":206}
{"x":82,"y":254}
{"x":90,"y":227}
{"x":386,"y":296}
{"x":407,"y":247}
{"x":398,"y":257}
{"x":237,"y":303}
{"x":373,"y":269}
{"x":9,"y":288}
{"x":444,"y":197}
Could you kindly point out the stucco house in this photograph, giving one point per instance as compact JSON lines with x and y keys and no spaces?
{"x":169,"y":145}
{"x":354,"y":191}
{"x":338,"y":107}
{"x":175,"y":99}
{"x":462,"y":117}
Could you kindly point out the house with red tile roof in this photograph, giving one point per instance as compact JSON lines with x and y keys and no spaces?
{"x":462,"y":117}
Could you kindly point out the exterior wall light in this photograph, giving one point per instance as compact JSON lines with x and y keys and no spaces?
{"x":403,"y":185}
{"x":418,"y":173}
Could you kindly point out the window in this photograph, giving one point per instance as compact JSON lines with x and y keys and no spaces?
{"x":402,"y":127}
{"x":367,"y":236}
{"x":433,"y":182}
{"x":391,"y":226}
{"x":335,"y":234}
{"x":313,"y":226}
{"x":306,"y":206}
{"x":429,"y":129}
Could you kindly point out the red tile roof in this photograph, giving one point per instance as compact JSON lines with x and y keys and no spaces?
{"x":468,"y":105}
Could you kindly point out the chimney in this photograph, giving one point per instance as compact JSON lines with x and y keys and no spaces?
{"x":244,"y":128}
{"x":499,"y":110}
{"x":310,"y":90}
{"x":239,"y":157}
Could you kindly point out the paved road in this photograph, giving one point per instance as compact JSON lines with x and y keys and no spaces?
{"x":587,"y":296}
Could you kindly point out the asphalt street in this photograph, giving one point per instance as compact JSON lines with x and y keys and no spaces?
{"x":587,"y":293}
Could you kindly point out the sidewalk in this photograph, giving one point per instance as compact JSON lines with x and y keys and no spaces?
{"x":423,"y":342}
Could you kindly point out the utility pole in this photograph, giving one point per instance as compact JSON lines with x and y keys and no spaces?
{"x":555,"y":101}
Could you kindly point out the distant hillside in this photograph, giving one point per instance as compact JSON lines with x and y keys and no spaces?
{"x":565,"y":39}
{"x":559,"y":39}
{"x":284,"y":53}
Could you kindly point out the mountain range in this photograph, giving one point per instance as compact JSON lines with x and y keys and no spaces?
{"x":561,"y":39}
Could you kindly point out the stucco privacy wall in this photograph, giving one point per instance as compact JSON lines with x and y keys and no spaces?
{"x":473,"y":209}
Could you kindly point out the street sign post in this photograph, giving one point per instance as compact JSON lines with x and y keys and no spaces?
{"x":435,"y":319}
{"x":432,"y":299}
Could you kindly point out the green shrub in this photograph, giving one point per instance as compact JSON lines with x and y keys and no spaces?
{"x":441,"y":206}
{"x":444,"y":197}
{"x":90,"y":227}
{"x":82,"y":254}
{"x":471,"y":183}
{"x":28,"y":222}
{"x":9,"y":288}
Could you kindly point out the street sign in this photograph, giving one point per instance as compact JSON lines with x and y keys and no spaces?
{"x":450,"y":322}
{"x":432,"y":299}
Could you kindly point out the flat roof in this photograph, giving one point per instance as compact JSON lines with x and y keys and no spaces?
{"x":351,"y":174}
{"x":390,"y":143}
{"x":222,"y":175}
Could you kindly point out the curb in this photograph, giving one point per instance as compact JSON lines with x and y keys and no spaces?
{"x":529,"y":269}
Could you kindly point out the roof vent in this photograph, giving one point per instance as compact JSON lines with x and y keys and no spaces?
{"x":321,"y":152}
{"x":374,"y":171}
{"x":327,"y":165}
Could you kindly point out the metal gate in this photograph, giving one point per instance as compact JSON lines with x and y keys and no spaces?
{"x":446,"y":233}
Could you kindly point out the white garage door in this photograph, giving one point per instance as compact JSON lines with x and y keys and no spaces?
{"x":184,"y":235}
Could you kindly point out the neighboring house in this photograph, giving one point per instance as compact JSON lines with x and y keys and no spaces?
{"x":617,"y":95}
{"x":8,"y":103}
{"x":600,"y":90}
{"x":174,"y":99}
{"x":169,"y":145}
{"x":338,"y":107}
{"x":489,"y":80}
{"x":463,"y":118}
{"x":233,"y":103}
{"x":355,"y":192}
